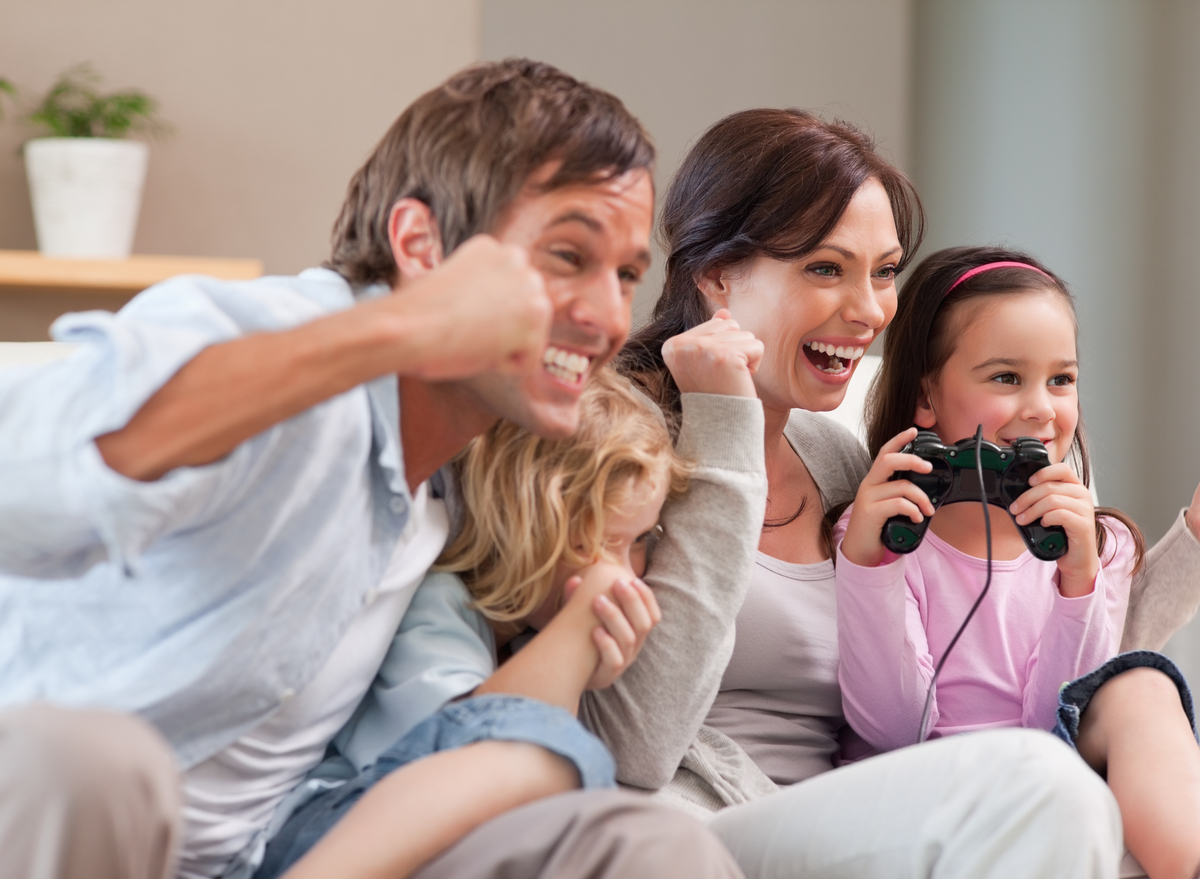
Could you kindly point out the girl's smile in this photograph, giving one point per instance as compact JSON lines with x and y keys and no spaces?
{"x":1014,"y":370}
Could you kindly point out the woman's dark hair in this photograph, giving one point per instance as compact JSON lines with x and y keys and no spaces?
{"x":921,"y":338}
{"x":758,"y":183}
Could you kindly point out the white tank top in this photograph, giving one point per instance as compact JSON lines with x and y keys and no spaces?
{"x":232,"y":795}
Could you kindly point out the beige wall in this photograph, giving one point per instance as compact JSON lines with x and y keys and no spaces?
{"x":275,"y":104}
{"x":681,"y":65}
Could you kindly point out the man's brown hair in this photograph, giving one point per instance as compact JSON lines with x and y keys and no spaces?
{"x":467,"y":147}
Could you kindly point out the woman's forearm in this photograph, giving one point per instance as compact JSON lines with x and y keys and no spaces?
{"x":699,"y":574}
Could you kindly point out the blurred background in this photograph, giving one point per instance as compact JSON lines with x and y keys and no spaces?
{"x":1069,"y":128}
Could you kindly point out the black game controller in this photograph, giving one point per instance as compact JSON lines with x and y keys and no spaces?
{"x":1006,"y":472}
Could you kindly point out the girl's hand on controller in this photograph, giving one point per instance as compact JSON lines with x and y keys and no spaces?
{"x":879,"y":499}
{"x":1058,"y":497}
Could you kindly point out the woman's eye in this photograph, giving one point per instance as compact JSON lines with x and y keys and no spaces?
{"x":630,"y":276}
{"x":825,"y":270}
{"x":888,"y":273}
{"x":1007,"y":378}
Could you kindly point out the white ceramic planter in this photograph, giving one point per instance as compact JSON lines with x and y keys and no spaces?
{"x":86,"y":192}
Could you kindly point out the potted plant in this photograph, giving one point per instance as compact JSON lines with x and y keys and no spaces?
{"x":85,"y":180}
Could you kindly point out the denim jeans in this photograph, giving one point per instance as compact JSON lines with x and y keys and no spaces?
{"x":482,"y":718}
{"x":1073,"y":698}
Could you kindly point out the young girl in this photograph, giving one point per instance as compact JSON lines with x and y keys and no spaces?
{"x":988,"y":337}
{"x":547,"y":526}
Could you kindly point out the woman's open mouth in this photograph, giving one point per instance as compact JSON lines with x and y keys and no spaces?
{"x":832,"y":359}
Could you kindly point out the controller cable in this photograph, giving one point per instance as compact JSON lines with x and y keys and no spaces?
{"x":987,"y":524}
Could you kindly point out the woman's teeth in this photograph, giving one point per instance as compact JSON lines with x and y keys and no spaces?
{"x":565,"y":365}
{"x":838,"y":357}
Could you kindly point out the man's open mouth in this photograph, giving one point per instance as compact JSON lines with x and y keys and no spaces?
{"x":565,"y":365}
{"x":833,"y":359}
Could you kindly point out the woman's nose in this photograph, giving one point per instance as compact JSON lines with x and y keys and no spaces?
{"x":864,"y":304}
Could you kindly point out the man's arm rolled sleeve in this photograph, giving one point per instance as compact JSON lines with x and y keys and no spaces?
{"x":64,"y":509}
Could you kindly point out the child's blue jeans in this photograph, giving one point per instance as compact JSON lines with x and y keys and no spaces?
{"x":481,"y":718}
{"x":1073,"y":698}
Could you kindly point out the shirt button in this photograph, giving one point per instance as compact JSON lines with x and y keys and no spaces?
{"x":398,"y":505}
{"x":286,"y":695}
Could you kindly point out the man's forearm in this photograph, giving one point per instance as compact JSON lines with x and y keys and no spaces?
{"x":483,"y":309}
{"x":235,"y":390}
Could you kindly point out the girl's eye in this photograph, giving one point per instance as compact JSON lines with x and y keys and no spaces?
{"x":1007,"y":378}
{"x":1062,"y":381}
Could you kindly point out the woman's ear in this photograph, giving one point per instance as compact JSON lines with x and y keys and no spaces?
{"x":415,"y":239}
{"x":715,"y":286}
{"x":926,"y":416}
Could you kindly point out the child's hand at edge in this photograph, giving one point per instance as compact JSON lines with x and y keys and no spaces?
{"x":1058,"y":497}
{"x":1192,"y":516}
{"x":879,"y":498}
{"x":627,"y":610}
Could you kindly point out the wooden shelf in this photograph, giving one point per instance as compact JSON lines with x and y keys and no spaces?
{"x":27,"y":269}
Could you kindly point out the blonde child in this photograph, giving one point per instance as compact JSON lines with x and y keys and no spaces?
{"x":547,"y":526}
{"x":987,"y":337}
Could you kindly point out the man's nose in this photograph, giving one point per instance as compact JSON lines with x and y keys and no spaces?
{"x":600,"y":305}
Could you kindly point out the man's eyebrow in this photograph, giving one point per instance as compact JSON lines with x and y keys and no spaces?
{"x":577,"y":217}
{"x":641,"y":258}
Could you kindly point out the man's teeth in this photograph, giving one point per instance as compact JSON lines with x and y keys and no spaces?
{"x":840,"y":356}
{"x":565,"y":365}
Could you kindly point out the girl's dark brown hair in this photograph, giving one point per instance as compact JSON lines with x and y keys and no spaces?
{"x":922,"y":336}
{"x":758,"y":183}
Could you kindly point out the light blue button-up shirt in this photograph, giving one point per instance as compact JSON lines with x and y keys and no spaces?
{"x":203,"y":600}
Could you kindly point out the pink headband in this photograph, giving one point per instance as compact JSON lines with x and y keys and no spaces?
{"x":987,"y":267}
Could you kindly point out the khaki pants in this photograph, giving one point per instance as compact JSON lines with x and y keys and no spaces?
{"x":85,"y":795}
{"x":95,"y":795}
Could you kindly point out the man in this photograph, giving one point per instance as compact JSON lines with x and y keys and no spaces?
{"x":216,"y":512}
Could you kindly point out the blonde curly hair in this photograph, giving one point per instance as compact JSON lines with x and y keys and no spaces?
{"x":532,"y":502}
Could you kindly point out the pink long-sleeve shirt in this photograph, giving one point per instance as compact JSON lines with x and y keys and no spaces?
{"x":1025,"y":641}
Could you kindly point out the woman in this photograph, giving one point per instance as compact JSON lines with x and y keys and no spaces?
{"x":797,"y":228}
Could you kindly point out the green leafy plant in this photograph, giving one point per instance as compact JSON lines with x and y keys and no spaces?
{"x":74,"y":108}
{"x":6,"y":88}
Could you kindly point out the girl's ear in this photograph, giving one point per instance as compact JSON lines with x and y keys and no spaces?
{"x":925,"y":416}
{"x":415,"y":239}
{"x":715,"y":287}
